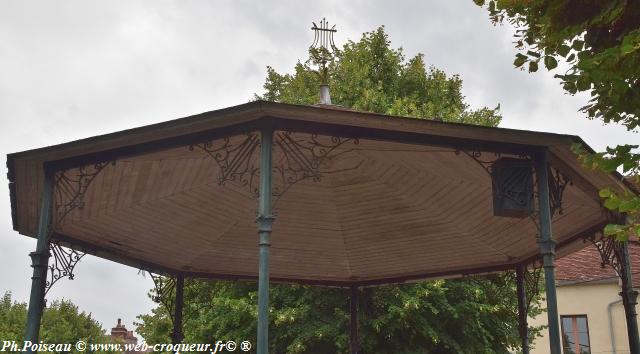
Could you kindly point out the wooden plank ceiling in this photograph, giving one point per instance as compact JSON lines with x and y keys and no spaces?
{"x":376,"y":211}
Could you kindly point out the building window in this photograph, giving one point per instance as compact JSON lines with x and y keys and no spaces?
{"x":575,"y":334}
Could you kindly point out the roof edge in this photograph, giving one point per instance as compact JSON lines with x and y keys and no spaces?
{"x":13,"y":198}
{"x":268,"y":106}
{"x":252,"y":105}
{"x":607,"y":280}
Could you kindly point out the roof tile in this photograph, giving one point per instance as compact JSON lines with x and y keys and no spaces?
{"x":586,"y":265}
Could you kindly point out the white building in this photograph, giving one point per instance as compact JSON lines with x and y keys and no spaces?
{"x":592,"y":317}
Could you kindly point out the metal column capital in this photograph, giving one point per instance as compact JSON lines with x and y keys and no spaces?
{"x":631,"y":295}
{"x":548,"y":252}
{"x":39,"y":259}
{"x":265,"y":223}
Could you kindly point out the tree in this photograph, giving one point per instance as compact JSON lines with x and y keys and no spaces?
{"x":371,"y":76}
{"x":474,"y":315}
{"x":13,"y":319}
{"x":599,"y":44}
{"x":62,"y":323}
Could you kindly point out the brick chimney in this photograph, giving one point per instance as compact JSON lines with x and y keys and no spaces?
{"x":119,"y":330}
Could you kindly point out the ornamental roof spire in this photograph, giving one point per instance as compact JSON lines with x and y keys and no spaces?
{"x":322,"y":53}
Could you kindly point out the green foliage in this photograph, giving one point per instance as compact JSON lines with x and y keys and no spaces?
{"x":62,"y":323}
{"x":13,"y":319}
{"x":369,"y":75}
{"x":598,"y":43}
{"x":474,"y":315}
{"x":621,"y":157}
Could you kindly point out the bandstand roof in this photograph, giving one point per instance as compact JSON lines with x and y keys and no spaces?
{"x":360,"y":198}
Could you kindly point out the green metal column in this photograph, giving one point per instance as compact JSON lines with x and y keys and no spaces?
{"x":523,"y":327}
{"x":548,"y":251}
{"x":39,"y":262}
{"x":354,"y":345}
{"x":176,"y":335}
{"x":629,"y":301}
{"x":265,"y":221}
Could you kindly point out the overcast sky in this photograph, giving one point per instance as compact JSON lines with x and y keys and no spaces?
{"x":74,"y":69}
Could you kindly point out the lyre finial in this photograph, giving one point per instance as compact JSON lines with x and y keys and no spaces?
{"x":322,"y":51}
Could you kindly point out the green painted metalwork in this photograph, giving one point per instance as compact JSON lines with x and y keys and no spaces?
{"x":354,"y":343}
{"x":547,"y":249}
{"x":39,"y":262}
{"x":523,"y":328}
{"x":615,"y":253}
{"x":629,"y":300}
{"x":176,"y":335}
{"x":265,"y":221}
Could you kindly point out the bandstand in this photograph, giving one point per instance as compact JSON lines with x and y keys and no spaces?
{"x":337,"y":198}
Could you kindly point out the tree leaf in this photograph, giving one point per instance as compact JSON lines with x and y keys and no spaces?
{"x":627,"y":205}
{"x":533,"y":66}
{"x":612,"y":230}
{"x":583,"y":84}
{"x":605,"y":193}
{"x":612,"y":203}
{"x":550,"y":62}
{"x":577,"y":45}
{"x":520,"y":60}
{"x":564,"y":50}
{"x":531,"y":53}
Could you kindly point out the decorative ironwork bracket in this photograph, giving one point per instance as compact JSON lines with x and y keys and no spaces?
{"x":476,"y":155}
{"x":306,"y":158}
{"x":557,"y":184}
{"x":532,"y":283}
{"x":164,"y":287}
{"x":302,"y":157}
{"x":611,"y":252}
{"x":234,"y":160}
{"x":64,"y":261}
{"x":70,"y":189}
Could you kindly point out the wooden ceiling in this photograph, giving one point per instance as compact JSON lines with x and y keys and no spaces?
{"x":392,"y":200}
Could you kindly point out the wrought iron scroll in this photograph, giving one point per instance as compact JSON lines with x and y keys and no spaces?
{"x":70,"y":189}
{"x":557,"y":184}
{"x":235,"y":160}
{"x":303,"y":156}
{"x":531,"y":280}
{"x":64,"y":261}
{"x":164,"y":287}
{"x":306,"y":157}
{"x":532,"y":276}
{"x":486,"y":164}
{"x":610,"y":250}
